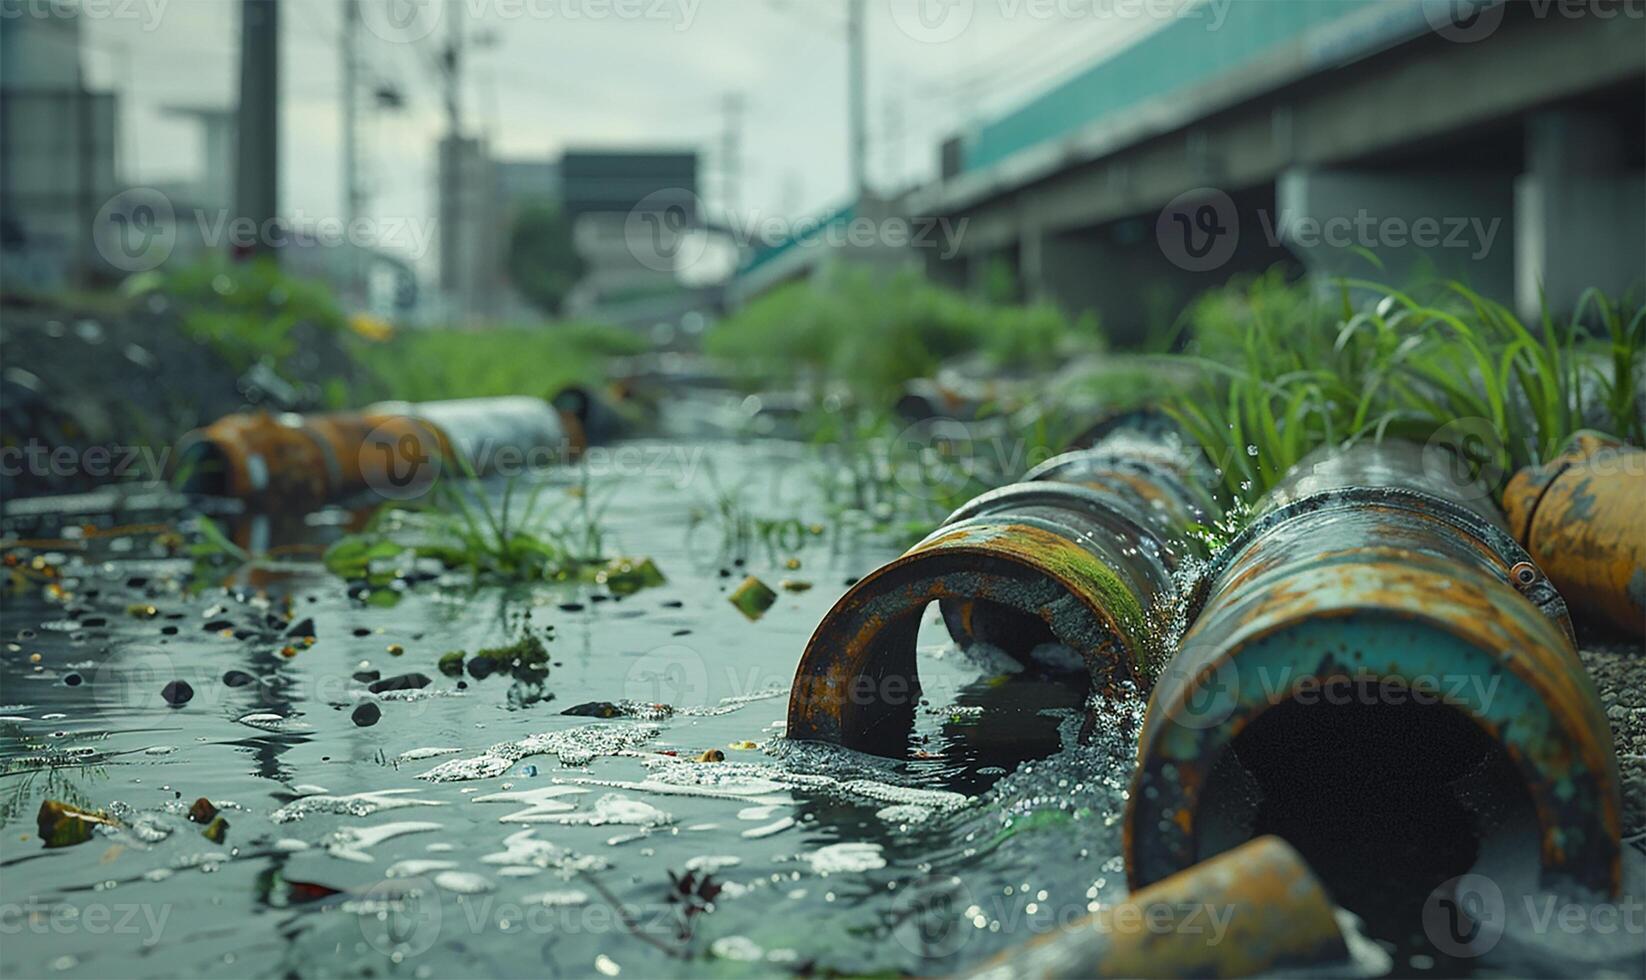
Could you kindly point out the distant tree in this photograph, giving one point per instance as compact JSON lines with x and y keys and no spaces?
{"x":543,"y":262}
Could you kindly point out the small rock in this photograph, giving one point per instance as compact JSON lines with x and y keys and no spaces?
{"x":303,"y":628}
{"x":366,"y":713}
{"x":712,"y":755}
{"x":367,"y":676}
{"x":237,"y":678}
{"x":177,"y":693}
{"x":794,"y":585}
{"x":203,"y":811}
{"x":72,"y":679}
{"x":62,"y":824}
{"x":594,"y":709}
{"x":216,"y":830}
{"x":451,"y":664}
{"x":395,"y":649}
{"x":399,"y":682}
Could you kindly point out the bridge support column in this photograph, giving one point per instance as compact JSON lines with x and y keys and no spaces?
{"x":1577,"y":213}
{"x":1417,"y":225}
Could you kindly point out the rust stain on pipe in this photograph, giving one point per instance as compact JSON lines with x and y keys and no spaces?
{"x":1349,"y":579}
{"x":1273,"y":911}
{"x":1582,"y":517}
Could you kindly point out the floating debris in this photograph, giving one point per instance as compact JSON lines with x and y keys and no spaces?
{"x":766,"y":830}
{"x":463,"y":882}
{"x":417,"y":867}
{"x":752,"y":598}
{"x":854,"y":856}
{"x":351,"y":843}
{"x":216,"y":831}
{"x":268,"y":721}
{"x":539,"y":802}
{"x":63,"y":825}
{"x":202,"y":811}
{"x":567,"y":898}
{"x":177,"y":693}
{"x":356,"y":805}
{"x":574,"y":746}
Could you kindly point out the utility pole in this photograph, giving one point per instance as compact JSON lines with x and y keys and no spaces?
{"x":731,"y":156}
{"x":351,"y":146}
{"x":856,"y":98}
{"x":892,"y":138}
{"x":456,"y":260}
{"x":257,"y":168}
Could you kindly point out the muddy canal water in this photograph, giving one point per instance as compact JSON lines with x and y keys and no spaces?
{"x":476,"y":829}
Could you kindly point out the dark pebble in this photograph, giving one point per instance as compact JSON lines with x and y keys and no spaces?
{"x":217,"y":625}
{"x":399,"y":682}
{"x":480,"y":668}
{"x":177,"y":693}
{"x":594,"y":709}
{"x":303,"y":628}
{"x":136,"y":582}
{"x":361,"y":631}
{"x":237,"y":678}
{"x":72,"y":679}
{"x":92,"y":622}
{"x":169,"y":630}
{"x":367,"y":676}
{"x":673,"y":604}
{"x":680,"y":632}
{"x":571,"y":606}
{"x":366,"y":713}
{"x":599,"y":597}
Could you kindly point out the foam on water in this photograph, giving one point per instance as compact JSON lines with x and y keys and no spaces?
{"x":574,"y":747}
{"x":355,"y":805}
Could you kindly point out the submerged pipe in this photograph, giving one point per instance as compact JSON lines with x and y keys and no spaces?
{"x":1582,"y":517}
{"x":1077,"y":554}
{"x":290,"y":460}
{"x":1271,"y":913}
{"x":1374,"y":667}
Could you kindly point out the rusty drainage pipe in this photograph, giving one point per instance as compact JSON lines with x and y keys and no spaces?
{"x":1372,"y":657}
{"x":291,"y":461}
{"x":1079,"y":555}
{"x":1582,"y":516}
{"x":1251,"y":910}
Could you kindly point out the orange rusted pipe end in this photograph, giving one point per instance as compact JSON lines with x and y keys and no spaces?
{"x":1582,"y":517}
{"x":1250,"y":910}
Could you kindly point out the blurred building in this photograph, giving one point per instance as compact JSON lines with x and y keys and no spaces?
{"x":633,"y":215}
{"x":57,"y":152}
{"x":471,"y":257}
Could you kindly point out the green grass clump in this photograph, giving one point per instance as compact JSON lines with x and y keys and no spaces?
{"x":872,"y":331}
{"x":428,"y":365}
{"x":1287,"y":370}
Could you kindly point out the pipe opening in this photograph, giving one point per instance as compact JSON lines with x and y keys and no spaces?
{"x":1385,"y":799}
{"x":986,"y":711}
{"x":202,"y":468}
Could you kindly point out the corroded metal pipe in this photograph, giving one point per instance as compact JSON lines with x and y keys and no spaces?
{"x":1254,"y":909}
{"x":1582,"y":516}
{"x":1079,"y":554}
{"x":290,"y":461}
{"x":1371,"y":641}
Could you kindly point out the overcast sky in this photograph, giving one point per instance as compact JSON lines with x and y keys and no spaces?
{"x":550,"y":74}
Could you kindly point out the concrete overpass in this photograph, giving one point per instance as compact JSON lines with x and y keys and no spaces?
{"x":1500,"y":143}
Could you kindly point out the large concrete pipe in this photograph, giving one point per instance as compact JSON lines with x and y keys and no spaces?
{"x":1379,"y":673}
{"x":1080,"y":563}
{"x":1582,"y":516}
